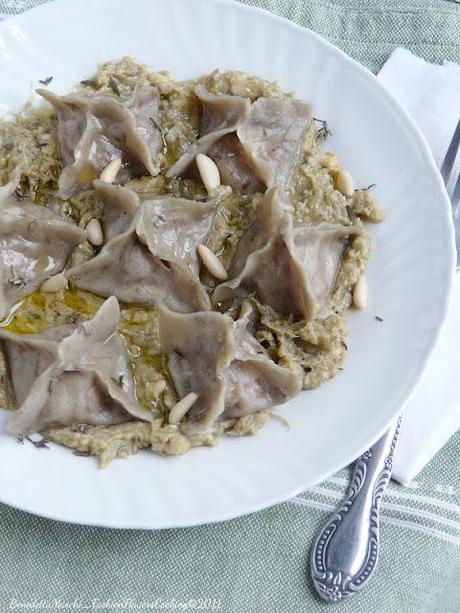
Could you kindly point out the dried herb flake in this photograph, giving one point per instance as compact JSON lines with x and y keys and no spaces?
{"x":80,"y":428}
{"x":89,"y":83}
{"x":114,"y":86}
{"x":73,"y":317}
{"x":155,"y":122}
{"x":351,"y":214}
{"x":365,"y":189}
{"x":323,"y":132}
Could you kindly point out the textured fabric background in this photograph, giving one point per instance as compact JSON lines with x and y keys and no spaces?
{"x":259,"y":563}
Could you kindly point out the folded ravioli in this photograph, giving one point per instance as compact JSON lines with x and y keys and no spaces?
{"x":290,"y":266}
{"x":92,"y":131}
{"x":234,"y":165}
{"x":150,"y":255}
{"x":70,"y":374}
{"x":221,"y":117}
{"x":221,"y":361}
{"x":254,"y":146}
{"x":272,"y":135}
{"x":35,"y":243}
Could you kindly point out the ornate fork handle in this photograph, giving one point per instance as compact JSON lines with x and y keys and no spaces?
{"x":346,"y":552}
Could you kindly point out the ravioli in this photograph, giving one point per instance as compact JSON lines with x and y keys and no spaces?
{"x":93,"y":131}
{"x":290,"y":266}
{"x":254,"y":146}
{"x":272,"y":135}
{"x":221,"y":115}
{"x":150,"y":255}
{"x":71,"y":375}
{"x":221,"y":361}
{"x":35,"y":243}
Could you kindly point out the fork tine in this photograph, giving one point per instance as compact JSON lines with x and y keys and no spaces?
{"x":455,"y":198}
{"x":451,"y":154}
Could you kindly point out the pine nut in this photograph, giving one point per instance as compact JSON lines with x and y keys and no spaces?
{"x":212,"y":263}
{"x":95,"y":234}
{"x":110,"y":171}
{"x":209,"y":172}
{"x":54,"y":283}
{"x":360,"y":293}
{"x":158,"y":387}
{"x":328,"y":161}
{"x":180,"y":409}
{"x":344,"y":183}
{"x":240,"y":90}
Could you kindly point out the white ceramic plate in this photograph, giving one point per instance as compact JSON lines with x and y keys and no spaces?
{"x":409,"y":276}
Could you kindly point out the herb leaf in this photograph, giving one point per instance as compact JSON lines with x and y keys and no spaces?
{"x":46,"y":81}
{"x":351,"y":213}
{"x":89,"y":83}
{"x":155,"y":122}
{"x":114,"y":86}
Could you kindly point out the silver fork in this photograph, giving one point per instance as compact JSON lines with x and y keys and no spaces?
{"x":345,"y":554}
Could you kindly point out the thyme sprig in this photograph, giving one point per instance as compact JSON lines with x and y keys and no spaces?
{"x":366,"y":189}
{"x":46,"y":81}
{"x":323,"y":131}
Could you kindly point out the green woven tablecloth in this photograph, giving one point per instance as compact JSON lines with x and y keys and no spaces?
{"x":259,"y":563}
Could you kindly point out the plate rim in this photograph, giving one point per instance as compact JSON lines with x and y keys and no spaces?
{"x":417,"y":137}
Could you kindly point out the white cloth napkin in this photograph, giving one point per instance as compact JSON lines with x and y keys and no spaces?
{"x":431,"y":94}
